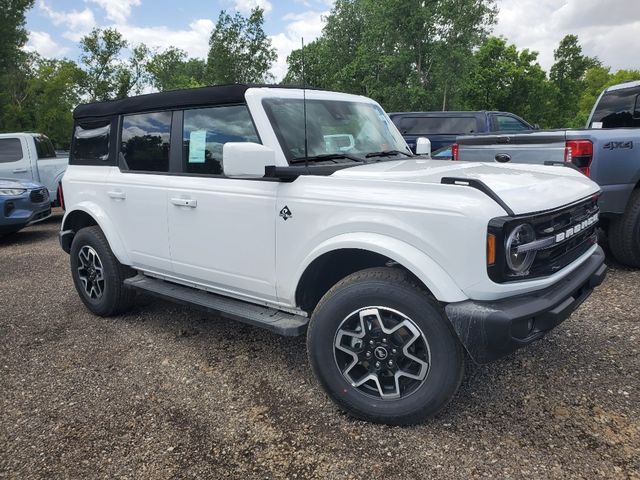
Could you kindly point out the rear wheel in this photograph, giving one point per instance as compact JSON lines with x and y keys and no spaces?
{"x":97,"y":274}
{"x":383,"y":350}
{"x":624,"y":233}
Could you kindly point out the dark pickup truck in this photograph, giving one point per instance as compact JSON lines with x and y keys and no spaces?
{"x":442,"y":128}
{"x":607,"y":151}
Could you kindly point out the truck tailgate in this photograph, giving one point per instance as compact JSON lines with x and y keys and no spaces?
{"x":534,"y":147}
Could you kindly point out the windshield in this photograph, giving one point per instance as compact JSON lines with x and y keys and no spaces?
{"x":333,"y":127}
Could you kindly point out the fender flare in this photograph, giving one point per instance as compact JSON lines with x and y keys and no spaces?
{"x":106,"y":225}
{"x":428,"y":271}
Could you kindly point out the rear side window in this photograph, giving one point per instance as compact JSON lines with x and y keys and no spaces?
{"x":145,"y":141}
{"x":436,"y":125}
{"x":205,"y":132}
{"x":618,"y":109}
{"x":90,"y":144}
{"x":44,"y":147}
{"x":10,"y":150}
{"x":506,"y":123}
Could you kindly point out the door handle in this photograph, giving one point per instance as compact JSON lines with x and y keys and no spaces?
{"x":503,"y":157}
{"x":117,"y":194}
{"x":20,"y":170}
{"x":185,"y":202}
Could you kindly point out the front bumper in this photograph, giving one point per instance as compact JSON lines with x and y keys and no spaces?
{"x":492,"y":329}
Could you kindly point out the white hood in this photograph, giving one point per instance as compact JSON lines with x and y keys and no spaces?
{"x":524,"y":188}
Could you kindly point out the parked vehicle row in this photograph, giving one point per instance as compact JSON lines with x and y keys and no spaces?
{"x":31,"y":157}
{"x":607,"y":151}
{"x":442,"y":128}
{"x":306,"y":211}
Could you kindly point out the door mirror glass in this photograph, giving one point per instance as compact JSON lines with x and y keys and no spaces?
{"x":423,"y":146}
{"x":246,"y":159}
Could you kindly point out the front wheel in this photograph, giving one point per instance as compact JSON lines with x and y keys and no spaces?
{"x":383,"y":350}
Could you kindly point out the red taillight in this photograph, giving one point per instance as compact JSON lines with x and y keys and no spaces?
{"x":454,"y":151}
{"x":60,"y":196}
{"x":580,"y":153}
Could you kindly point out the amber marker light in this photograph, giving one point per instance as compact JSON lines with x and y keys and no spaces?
{"x":491,"y":249}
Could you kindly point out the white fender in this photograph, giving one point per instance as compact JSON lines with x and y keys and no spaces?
{"x":417,"y":262}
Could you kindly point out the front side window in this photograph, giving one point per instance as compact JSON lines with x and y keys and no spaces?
{"x":505,"y":123}
{"x":10,"y":150}
{"x":205,"y":132}
{"x":145,"y":141}
{"x":618,"y":109}
{"x":44,"y":147}
{"x":444,"y":125}
{"x":333,"y":127}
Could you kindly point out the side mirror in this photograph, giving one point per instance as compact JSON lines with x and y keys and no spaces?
{"x":246,"y":159}
{"x":536,"y":126}
{"x":423,"y":146}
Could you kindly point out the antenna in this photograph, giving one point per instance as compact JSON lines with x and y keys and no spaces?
{"x":304,"y":112}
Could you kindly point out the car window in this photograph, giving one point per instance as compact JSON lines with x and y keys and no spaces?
{"x":507,"y":123}
{"x":205,"y":132}
{"x":332,"y":127}
{"x":618,"y":109}
{"x":145,"y":141}
{"x":90,"y":144}
{"x":436,"y":125}
{"x":10,"y":150}
{"x":44,"y":147}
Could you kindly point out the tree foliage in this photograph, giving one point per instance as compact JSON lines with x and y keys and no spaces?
{"x":239,"y":50}
{"x":172,"y":69}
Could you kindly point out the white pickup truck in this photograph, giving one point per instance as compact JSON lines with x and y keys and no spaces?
{"x":305,"y":211}
{"x":31,"y":156}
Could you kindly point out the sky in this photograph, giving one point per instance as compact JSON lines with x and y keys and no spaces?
{"x":608,"y":29}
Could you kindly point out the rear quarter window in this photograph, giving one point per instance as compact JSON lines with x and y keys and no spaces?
{"x":10,"y":150}
{"x":618,"y":109}
{"x":90,"y":145}
{"x":44,"y":147}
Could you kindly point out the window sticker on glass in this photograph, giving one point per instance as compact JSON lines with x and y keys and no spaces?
{"x":197,"y":146}
{"x":596,"y":125}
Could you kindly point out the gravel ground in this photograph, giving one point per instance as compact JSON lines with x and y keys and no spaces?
{"x":169,"y":392}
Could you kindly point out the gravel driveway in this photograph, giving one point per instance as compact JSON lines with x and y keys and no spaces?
{"x":169,"y":392}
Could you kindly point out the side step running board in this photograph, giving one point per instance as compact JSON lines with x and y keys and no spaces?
{"x":277,"y":321}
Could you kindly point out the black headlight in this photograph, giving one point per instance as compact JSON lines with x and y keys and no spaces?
{"x":520,"y":261}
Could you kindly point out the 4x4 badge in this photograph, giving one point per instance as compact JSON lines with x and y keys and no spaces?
{"x":285,"y":213}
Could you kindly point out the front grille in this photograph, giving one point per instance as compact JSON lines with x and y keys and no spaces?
{"x":550,"y":224}
{"x":39,"y":196}
{"x":554,"y":259}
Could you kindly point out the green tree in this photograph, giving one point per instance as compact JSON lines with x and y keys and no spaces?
{"x":239,"y":50}
{"x":13,"y":60}
{"x":502,"y":78}
{"x":567,"y":77}
{"x":407,"y":54}
{"x":172,"y":69}
{"x":100,"y":57}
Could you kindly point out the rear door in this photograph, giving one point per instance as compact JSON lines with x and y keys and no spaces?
{"x":222,"y":230}
{"x":14,"y":158}
{"x":137,"y":190}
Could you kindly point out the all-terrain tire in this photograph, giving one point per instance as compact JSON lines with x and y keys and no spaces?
{"x":115,"y":298}
{"x":624,"y":233}
{"x":389,"y":292}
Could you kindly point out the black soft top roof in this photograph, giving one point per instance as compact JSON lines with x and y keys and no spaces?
{"x":193,"y":97}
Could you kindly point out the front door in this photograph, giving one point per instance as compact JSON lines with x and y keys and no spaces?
{"x":221,"y":230}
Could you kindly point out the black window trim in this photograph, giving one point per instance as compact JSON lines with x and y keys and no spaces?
{"x":88,"y":124}
{"x":176,"y":160}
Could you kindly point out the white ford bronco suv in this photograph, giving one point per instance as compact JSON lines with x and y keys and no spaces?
{"x":305,"y":211}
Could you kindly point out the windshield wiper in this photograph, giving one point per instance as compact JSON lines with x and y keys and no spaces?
{"x":387,"y":153}
{"x":328,"y":156}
